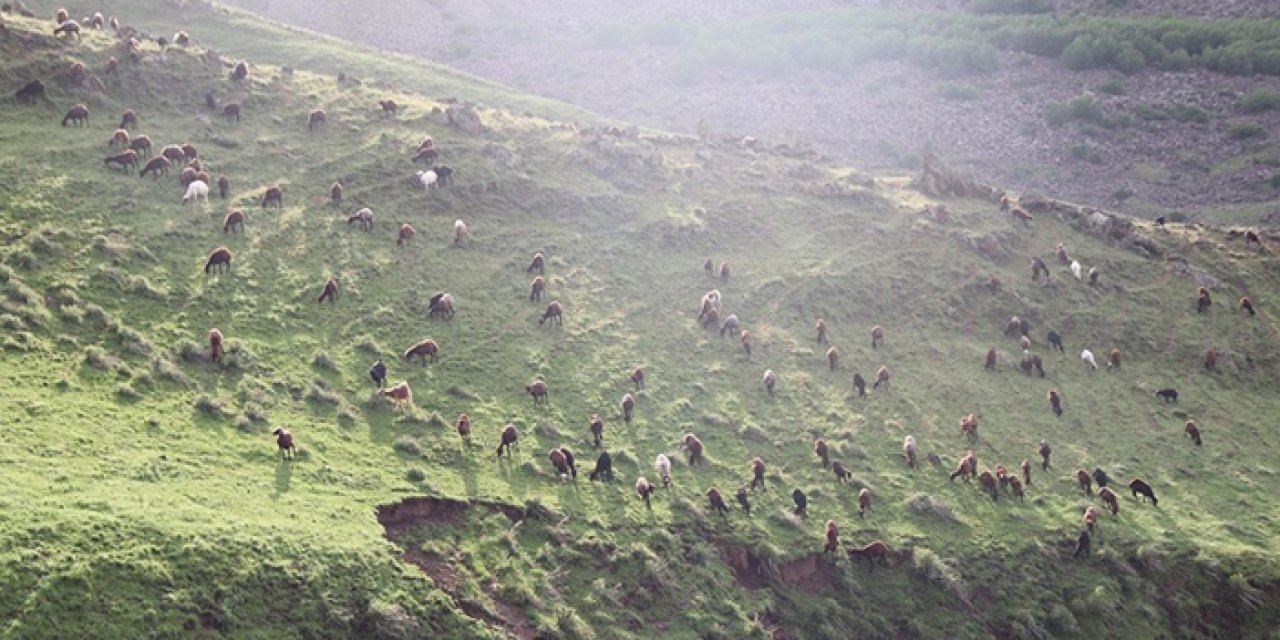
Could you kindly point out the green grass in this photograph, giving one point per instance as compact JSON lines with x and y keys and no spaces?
{"x":144,"y":496}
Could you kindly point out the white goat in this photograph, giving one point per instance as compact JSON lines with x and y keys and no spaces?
{"x":429,"y":179}
{"x":1087,"y":356}
{"x":663,"y":465}
{"x":1076,"y":270}
{"x":197,"y":190}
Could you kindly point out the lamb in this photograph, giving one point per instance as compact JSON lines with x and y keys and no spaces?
{"x":428,"y":179}
{"x":1109,"y":498}
{"x":1247,"y":305}
{"x":231,"y":111}
{"x":235,"y":218}
{"x":1168,"y":395}
{"x":757,"y":473}
{"x":645,"y":489}
{"x":119,"y":138}
{"x":1101,"y":477}
{"x":744,"y":501}
{"x":363,"y":217}
{"x":729,"y":326}
{"x":821,"y":326}
{"x":1193,"y":431}
{"x":860,"y":385}
{"x":1045,"y":451}
{"x":537,"y":389}
{"x":406,"y":234}
{"x":537,"y":264}
{"x":966,"y":468}
{"x":77,"y":116}
{"x":284,"y":443}
{"x":1087,"y":357}
{"x":802,"y":503}
{"x":1211,"y":360}
{"x":1140,"y":486}
{"x":1055,"y":402}
{"x":628,"y":404}
{"x":459,"y":232}
{"x":989,"y":484}
{"x":745,"y":339}
{"x":1082,"y":544}
{"x":882,"y":378}
{"x":126,"y":159}
{"x":694,"y":446}
{"x":30,"y":92}
{"x":425,"y":349}
{"x":770,"y":380}
{"x":197,"y":190}
{"x":1055,"y":340}
{"x":330,"y":291}
{"x":969,"y":426}
{"x":909,"y":451}
{"x":1086,"y":483}
{"x":842,"y":472}
{"x":316,"y":119}
{"x":1026,"y":471}
{"x":142,"y":144}
{"x":1076,"y":270}
{"x":864,"y":502}
{"x":833,"y":538}
{"x":663,"y":465}
{"x":717,"y":501}
{"x":335,"y":194}
{"x":1203,"y":301}
{"x":991,"y":360}
{"x":637,"y":378}
{"x":220,"y":257}
{"x":215,"y":345}
{"x":604,"y":468}
{"x":273,"y":196}
{"x":597,"y":429}
{"x":510,"y":437}
{"x":400,"y":394}
{"x":378,"y":372}
{"x":389,"y":107}
{"x":554,"y":314}
{"x":724,"y":270}
{"x":833,"y":358}
{"x":876,"y":551}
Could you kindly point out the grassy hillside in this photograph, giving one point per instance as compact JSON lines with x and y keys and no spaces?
{"x":144,"y":496}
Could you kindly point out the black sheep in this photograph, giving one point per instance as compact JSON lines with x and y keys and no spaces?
{"x":1139,"y":486}
{"x":379,"y":373}
{"x":802,"y":503}
{"x":604,"y":468}
{"x":1100,"y":477}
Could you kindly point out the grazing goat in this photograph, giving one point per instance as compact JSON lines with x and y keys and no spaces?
{"x":1211,"y":360}
{"x":330,"y":291}
{"x":745,"y":339}
{"x":842,"y":472}
{"x":1045,"y":451}
{"x":882,"y":378}
{"x":1055,"y":402}
{"x":219,"y":258}
{"x":537,"y":264}
{"x":424,"y":350}
{"x":77,"y":116}
{"x":717,"y":501}
{"x":1086,"y":483}
{"x":1139,"y":486}
{"x":1083,"y":543}
{"x":224,"y":187}
{"x":821,"y":327}
{"x":663,"y":466}
{"x":316,"y":119}
{"x":909,"y":451}
{"x":628,"y":404}
{"x":1087,"y":357}
{"x":378,"y":372}
{"x":215,"y":345}
{"x":406,"y":234}
{"x":335,"y":194}
{"x":127,"y":159}
{"x":597,"y":430}
{"x":988,"y":483}
{"x":554,"y":314}
{"x":284,"y":443}
{"x":802,"y":503}
{"x":197,"y":190}
{"x":876,"y":551}
{"x":1247,"y":305}
{"x":833,"y":358}
{"x":637,"y":378}
{"x":400,"y":394}
{"x":1055,"y":340}
{"x":864,"y":502}
{"x":510,"y":437}
{"x":604,"y":468}
{"x":770,"y":380}
{"x":757,"y":473}
{"x":231,"y":111}
{"x":363,"y":217}
{"x":1203,"y":301}
{"x":991,"y":360}
{"x":234,"y":218}
{"x":1110,"y":499}
{"x":821,"y":450}
{"x":173,"y":153}
{"x":1168,"y":395}
{"x":1025,"y":465}
{"x":30,"y":92}
{"x":1193,"y":431}
{"x":273,"y":196}
{"x":645,"y":489}
{"x":967,"y":468}
{"x":1101,"y":477}
{"x":459,"y":232}
{"x":860,"y":385}
{"x":537,"y":389}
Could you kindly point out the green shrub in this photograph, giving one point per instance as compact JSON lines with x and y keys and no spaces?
{"x":1245,"y":131}
{"x":1082,"y":109}
{"x":1260,"y":100}
{"x":1189,"y":113}
{"x":1113,"y":87}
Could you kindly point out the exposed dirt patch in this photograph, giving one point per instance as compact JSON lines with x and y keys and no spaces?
{"x":412,"y":512}
{"x":810,"y":574}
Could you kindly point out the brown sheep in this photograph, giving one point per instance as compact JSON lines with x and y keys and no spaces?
{"x":645,"y":489}
{"x":966,"y":468}
{"x":597,"y":429}
{"x":335,"y":194}
{"x":988,"y":483}
{"x":400,"y":394}
{"x":882,"y":378}
{"x":284,"y":443}
{"x":637,"y":378}
{"x":62,"y":16}
{"x":173,"y":153}
{"x":235,"y":218}
{"x":187,"y":176}
{"x":628,"y":404}
{"x":127,"y":159}
{"x":1113,"y":361}
{"x":1247,"y":305}
{"x":708,"y":267}
{"x":155,"y":167}
{"x":189,"y":151}
{"x":425,"y":349}
{"x":717,"y":501}
{"x":119,"y":138}
{"x":874,"y":552}
{"x":464,"y":426}
{"x":1005,"y":203}
{"x":757,"y":473}
{"x":991,"y":360}
{"x":273,"y":196}
{"x":141,"y":144}
{"x":745,"y":339}
{"x":215,"y":345}
{"x":1086,"y":482}
{"x":181,"y":39}
{"x":77,"y":115}
{"x":231,"y":111}
{"x":1193,"y":431}
{"x":363,"y":217}
{"x":909,"y":451}
{"x":1063,"y":257}
{"x":694,"y":446}
{"x":537,"y":389}
{"x":330,"y":291}
{"x":1109,"y":498}
{"x":537,"y":264}
{"x":860,"y":385}
{"x":822,"y":451}
{"x":724,"y":270}
{"x":833,"y":358}
{"x":406,"y":234}
{"x":833,"y":537}
{"x":1055,"y":401}
{"x":877,"y":336}
{"x":1211,"y":360}
{"x":219,"y":258}
{"x":443,"y":306}
{"x":316,"y":119}
{"x":969,"y":426}
{"x":1026,"y":471}
{"x":1025,"y":342}
{"x":864,"y":502}
{"x":770,"y":380}
{"x":1015,"y":487}
{"x":710,"y":318}
{"x":821,"y":327}
{"x":554,"y":314}
{"x":389,"y":107}
{"x":509,"y":438}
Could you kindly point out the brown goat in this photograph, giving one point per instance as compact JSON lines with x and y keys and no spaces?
{"x":559,"y":461}
{"x":155,"y":167}
{"x":694,"y":446}
{"x":833,"y":537}
{"x":1091,"y":518}
{"x":822,"y":451}
{"x":967,"y":468}
{"x":864,"y":502}
{"x":330,"y":291}
{"x":400,"y":394}
{"x":874,"y":552}
{"x":173,"y":153}
{"x":554,"y":314}
{"x":424,"y":350}
{"x":757,"y":473}
{"x":1110,"y":499}
{"x":877,"y":336}
{"x":77,"y":115}
{"x":833,"y":358}
{"x":220,"y":257}
{"x":1113,"y":361}
{"x":235,"y":218}
{"x":821,"y":327}
{"x":842,"y":473}
{"x":991,"y":360}
{"x":141,"y":144}
{"x":127,"y":159}
{"x":1193,"y":431}
{"x":509,"y":438}
{"x":215,"y":345}
{"x":284,"y":443}
{"x":187,"y":176}
{"x":464,"y":426}
{"x":1247,"y":305}
{"x":536,"y":288}
{"x":406,"y":234}
{"x":189,"y":151}
{"x":1211,"y":360}
{"x":537,"y":389}
{"x":273,"y":196}
{"x":637,"y":378}
{"x":1086,"y":482}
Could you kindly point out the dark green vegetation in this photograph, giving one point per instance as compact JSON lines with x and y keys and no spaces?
{"x":143,"y":493}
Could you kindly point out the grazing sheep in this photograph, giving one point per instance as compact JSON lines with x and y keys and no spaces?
{"x":1247,"y":305}
{"x":1087,"y":357}
{"x":637,"y":378}
{"x":197,"y":190}
{"x":142,"y":144}
{"x":378,"y":372}
{"x":119,"y":138}
{"x":189,"y":151}
{"x":442,"y":307}
{"x":1083,"y":543}
{"x":68,"y":28}
{"x":991,"y":360}
{"x":1193,"y":431}
{"x":1093,"y":276}
{"x":1055,"y":340}
{"x":77,"y":116}
{"x":330,"y":291}
{"x":821,"y":327}
{"x":273,"y":196}
{"x":864,"y":502}
{"x":1038,"y":267}
{"x":628,"y":404}
{"x":231,"y":111}
{"x":284,"y":443}
{"x":568,"y":458}
{"x":30,"y":92}
{"x":1203,"y":301}
{"x":316,"y":119}
{"x":988,"y":483}
{"x":510,"y":437}
{"x":969,"y":426}
{"x":215,"y":345}
{"x":663,"y":465}
{"x":717,"y":501}
{"x":1055,"y":402}
{"x":729,"y":326}
{"x":694,"y":446}
{"x":363,"y":217}
{"x":604,"y":468}
{"x":645,"y":489}
{"x":187,"y":176}
{"x":425,"y":349}
{"x":757,"y":473}
{"x":842,"y":472}
{"x":822,"y":451}
{"x":597,"y":429}
{"x":1025,"y":465}
{"x":1113,"y":361}
{"x":882,"y":378}
{"x":537,"y":389}
{"x":1211,"y":360}
{"x":335,"y":194}
{"x":1139,"y":486}
{"x":876,"y":551}
{"x":559,"y":461}
{"x":406,"y":234}
{"x":127,"y":159}
{"x":224,"y":187}
{"x":219,"y":258}
{"x":967,"y":468}
{"x":389,"y":107}
{"x":1077,"y":270}
{"x":802,"y":503}
{"x":400,"y":394}
{"x":1168,"y":395}
{"x":554,"y":314}
{"x":909,"y":451}
{"x":1015,"y":487}
{"x":1045,"y":451}
{"x":1086,"y":483}
{"x":234,"y":218}
{"x":860,"y":385}
{"x":724,"y":270}
{"x":427,"y":143}
{"x":428,"y":179}
{"x":833,"y":358}
{"x":537,"y":264}
{"x":745,"y":339}
{"x":173,"y":153}
{"x":770,"y":380}
{"x":877,"y":336}
{"x":459,"y":232}
{"x":1101,"y":477}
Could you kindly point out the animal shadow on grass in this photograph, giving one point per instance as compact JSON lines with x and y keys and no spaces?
{"x":284,"y":476}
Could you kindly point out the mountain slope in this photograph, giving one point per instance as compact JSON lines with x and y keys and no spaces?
{"x":145,"y":495}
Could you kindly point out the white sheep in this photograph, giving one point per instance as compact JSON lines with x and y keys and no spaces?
{"x":663,"y":465}
{"x":429,"y":179}
{"x":197,"y":190}
{"x":1087,"y":357}
{"x":459,"y":232}
{"x":1076,"y":270}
